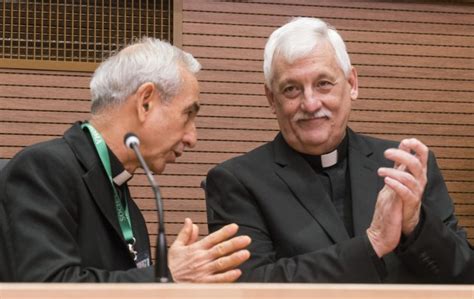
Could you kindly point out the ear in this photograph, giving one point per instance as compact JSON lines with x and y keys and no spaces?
{"x":145,"y":96}
{"x":353,"y":81}
{"x":270,"y":99}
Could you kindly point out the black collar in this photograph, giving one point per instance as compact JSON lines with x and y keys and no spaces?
{"x":119,"y":173}
{"x":329,"y":159}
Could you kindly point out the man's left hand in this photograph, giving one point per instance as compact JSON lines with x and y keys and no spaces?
{"x":408,"y":178}
{"x":214,"y":258}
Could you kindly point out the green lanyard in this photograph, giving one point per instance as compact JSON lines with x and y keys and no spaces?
{"x":120,"y":207}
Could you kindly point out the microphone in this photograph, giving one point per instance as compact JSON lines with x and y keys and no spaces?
{"x":161,"y":268}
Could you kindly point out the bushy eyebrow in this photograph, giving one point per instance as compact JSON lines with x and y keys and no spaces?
{"x":194,"y":108}
{"x":292,"y":81}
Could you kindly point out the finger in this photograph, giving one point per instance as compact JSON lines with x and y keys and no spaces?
{"x":228,"y":276}
{"x":194,"y":234}
{"x":185,"y":233}
{"x":229,"y":262}
{"x":217,"y":237}
{"x":414,"y":145}
{"x":403,"y":177}
{"x":397,"y":165}
{"x":229,"y":246}
{"x":401,"y":157}
{"x":401,"y":190}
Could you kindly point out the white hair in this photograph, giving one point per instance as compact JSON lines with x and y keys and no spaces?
{"x":297,"y":39}
{"x":146,"y":60}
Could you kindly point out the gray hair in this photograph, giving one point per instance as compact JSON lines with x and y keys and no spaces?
{"x":297,"y":39}
{"x":146,"y":60}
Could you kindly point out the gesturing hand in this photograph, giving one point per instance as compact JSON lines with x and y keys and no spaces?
{"x":408,"y":178}
{"x":398,"y":204}
{"x":212,"y":259}
{"x":385,"y":229}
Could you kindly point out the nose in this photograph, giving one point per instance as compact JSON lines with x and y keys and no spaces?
{"x":311,"y":101}
{"x":190,"y":137}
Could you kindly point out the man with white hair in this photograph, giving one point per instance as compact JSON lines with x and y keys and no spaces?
{"x":323,"y":203}
{"x":66,"y":214}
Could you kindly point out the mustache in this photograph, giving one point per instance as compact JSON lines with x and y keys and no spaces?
{"x":321,"y":113}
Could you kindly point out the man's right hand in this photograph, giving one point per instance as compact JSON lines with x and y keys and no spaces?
{"x":398,"y":204}
{"x":385,"y":230}
{"x":211,"y":259}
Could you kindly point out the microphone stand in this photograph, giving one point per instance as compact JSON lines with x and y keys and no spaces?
{"x":161,"y":253}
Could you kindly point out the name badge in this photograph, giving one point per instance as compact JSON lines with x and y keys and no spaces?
{"x":143,"y":260}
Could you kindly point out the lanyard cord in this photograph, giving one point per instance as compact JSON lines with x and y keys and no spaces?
{"x":120,"y":206}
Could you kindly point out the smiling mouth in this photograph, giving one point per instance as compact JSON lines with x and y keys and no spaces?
{"x":312,"y":123}
{"x":314,"y":118}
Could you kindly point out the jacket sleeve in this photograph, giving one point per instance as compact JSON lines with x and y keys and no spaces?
{"x":39,"y":225}
{"x":440,"y":250}
{"x":228,"y":200}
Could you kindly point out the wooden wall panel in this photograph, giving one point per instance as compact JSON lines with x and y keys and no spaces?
{"x":416,"y":73}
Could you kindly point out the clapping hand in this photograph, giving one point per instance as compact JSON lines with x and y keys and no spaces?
{"x":398,"y":204}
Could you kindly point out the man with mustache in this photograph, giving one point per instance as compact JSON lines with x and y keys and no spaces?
{"x":323,"y":203}
{"x":66,"y":214}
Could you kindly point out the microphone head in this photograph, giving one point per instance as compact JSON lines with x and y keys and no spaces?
{"x":129,"y":139}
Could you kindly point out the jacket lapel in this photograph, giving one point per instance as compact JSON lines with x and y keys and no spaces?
{"x":365,"y":182}
{"x":98,"y":185}
{"x":305,"y":185}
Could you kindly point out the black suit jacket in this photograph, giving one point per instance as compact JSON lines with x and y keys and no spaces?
{"x":298,"y":236}
{"x":57,"y":217}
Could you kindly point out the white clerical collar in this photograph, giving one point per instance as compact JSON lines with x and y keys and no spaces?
{"x":123,"y":177}
{"x":329,"y":159}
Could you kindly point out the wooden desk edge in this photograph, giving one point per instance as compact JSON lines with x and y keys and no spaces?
{"x":241,"y":290}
